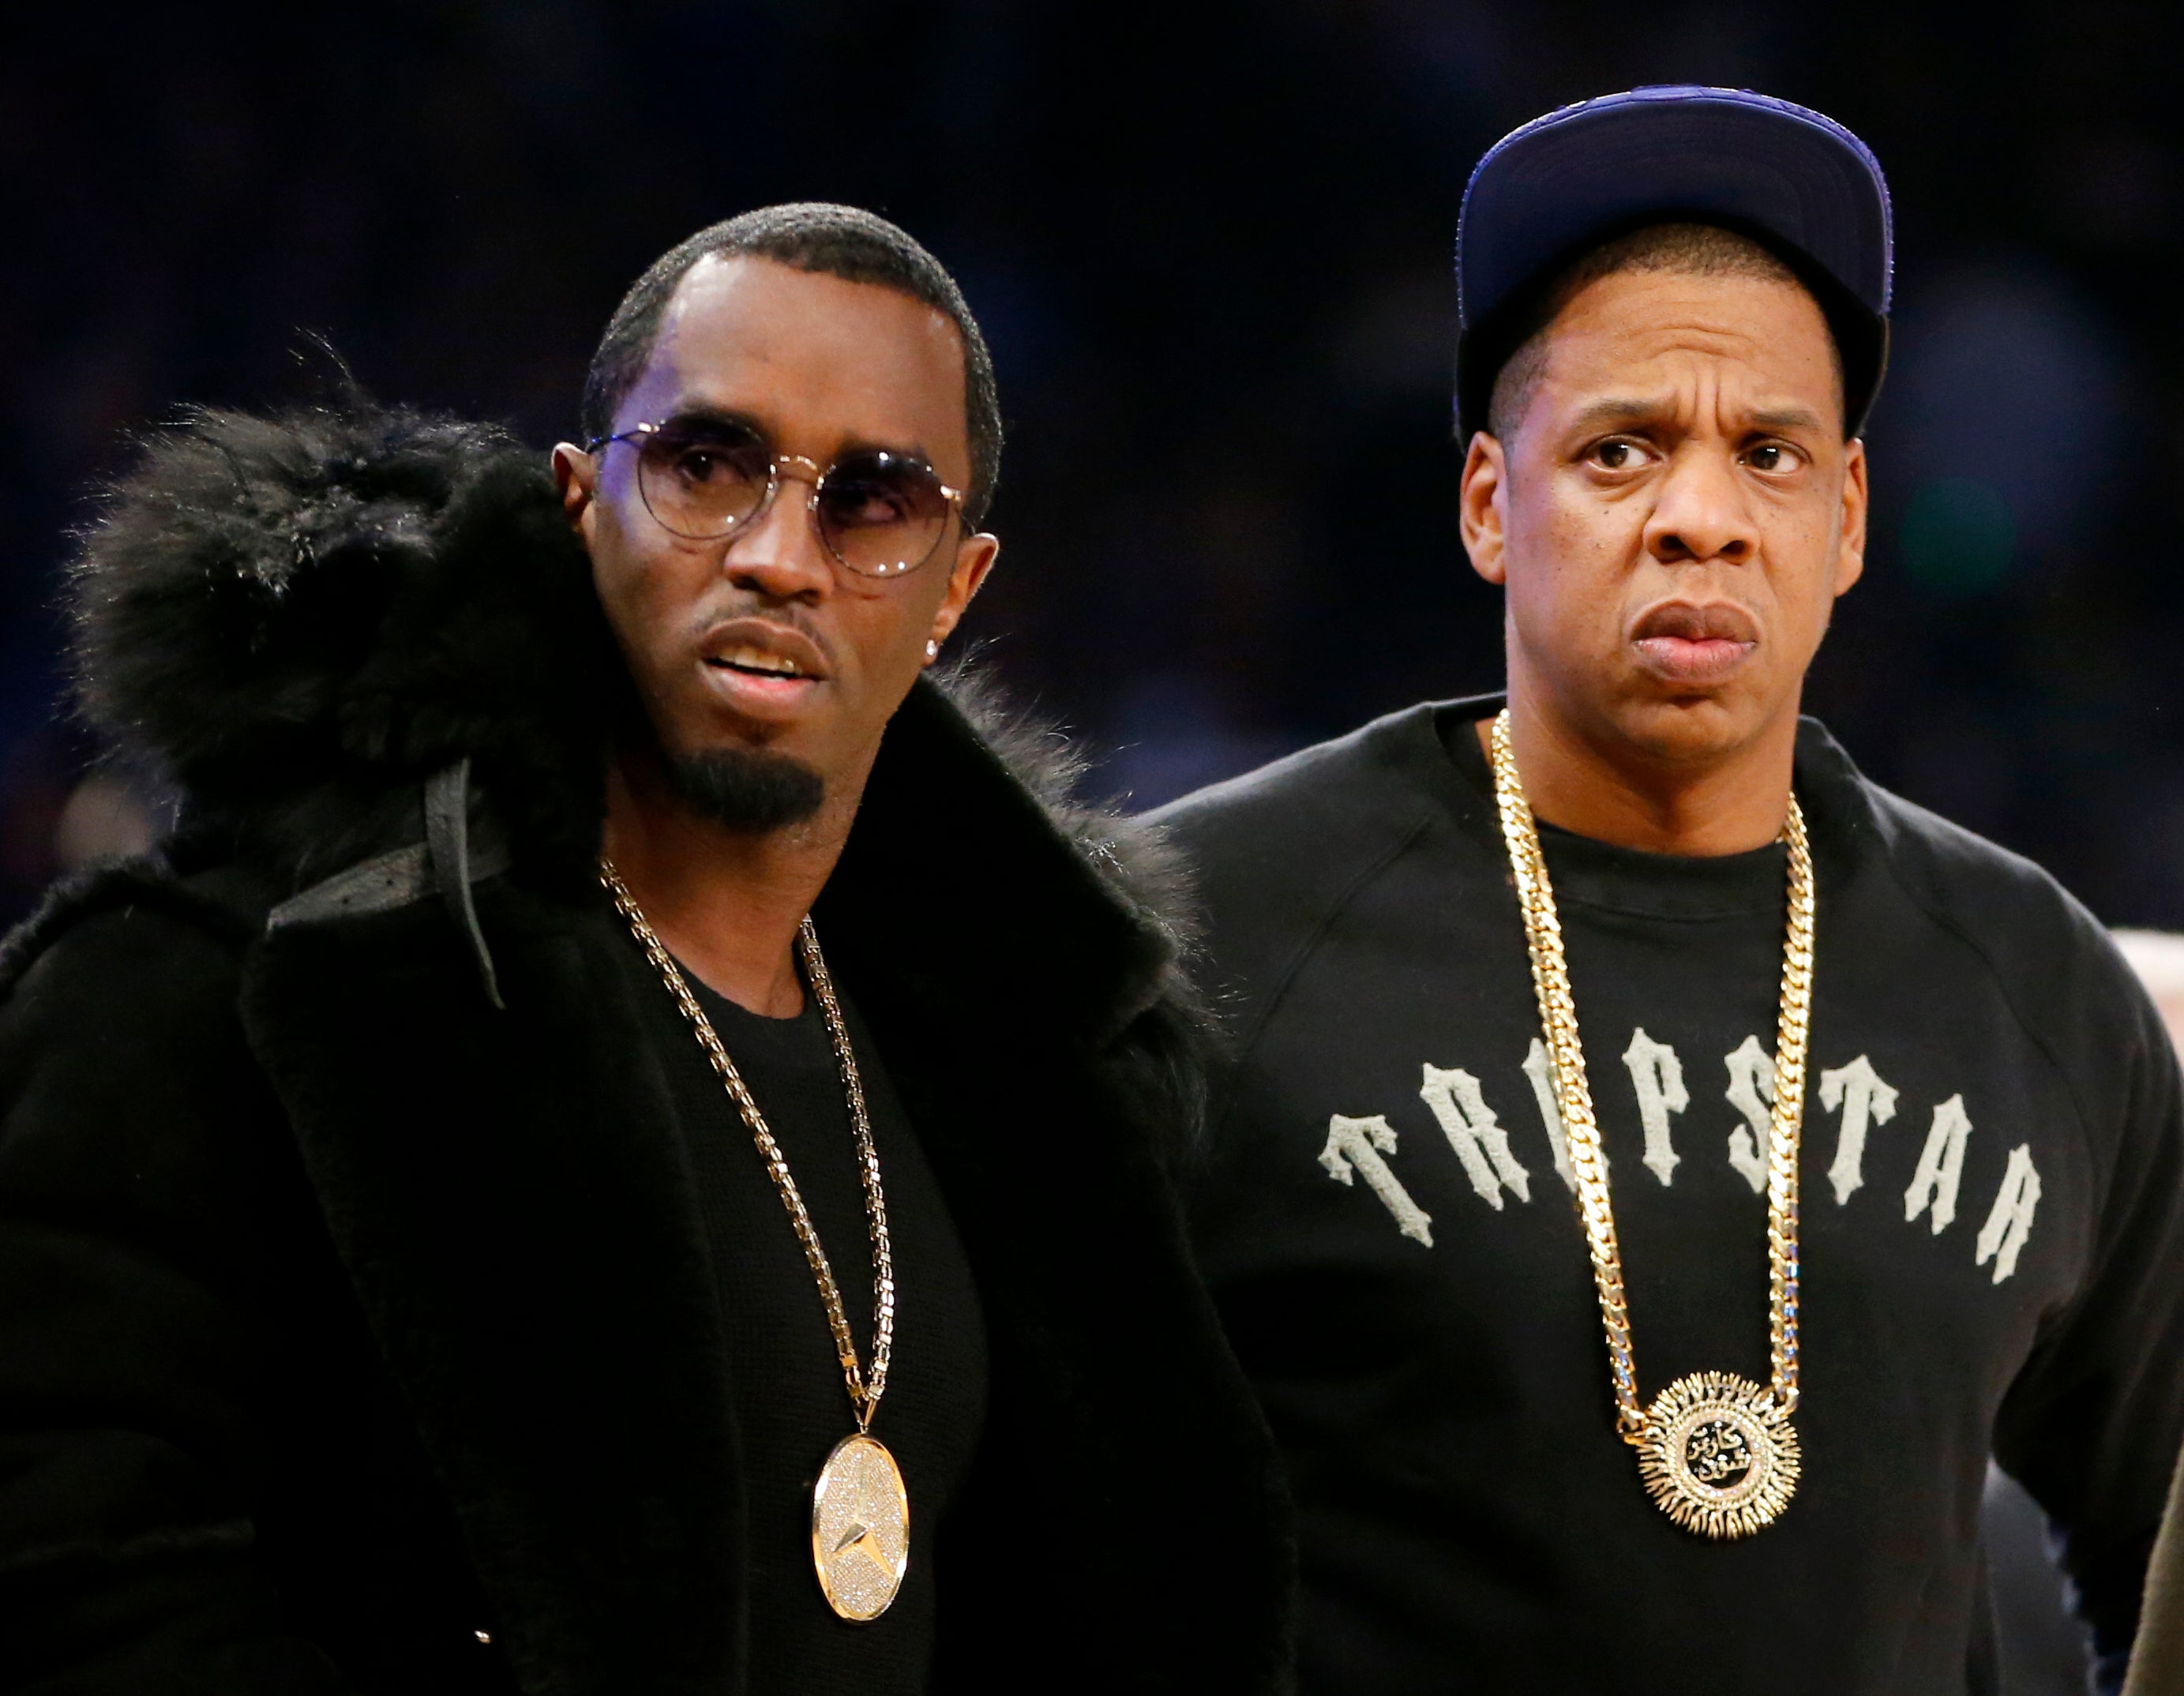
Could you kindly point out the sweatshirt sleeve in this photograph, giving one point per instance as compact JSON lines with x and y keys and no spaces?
{"x":136,"y":1142}
{"x":2093,"y":1425}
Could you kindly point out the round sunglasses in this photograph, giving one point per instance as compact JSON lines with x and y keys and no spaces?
{"x":879,"y":513}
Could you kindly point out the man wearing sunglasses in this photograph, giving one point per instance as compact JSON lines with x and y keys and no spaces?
{"x":621,"y":1147}
{"x":1660,"y":1166}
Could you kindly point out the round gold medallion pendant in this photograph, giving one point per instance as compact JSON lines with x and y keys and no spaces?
{"x":860,"y":1528}
{"x":1718,"y":1458}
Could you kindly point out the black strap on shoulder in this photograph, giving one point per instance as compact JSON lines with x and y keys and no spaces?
{"x":448,"y":839}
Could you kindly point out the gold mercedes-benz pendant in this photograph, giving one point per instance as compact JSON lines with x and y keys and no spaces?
{"x":860,"y":1528}
{"x":1719,"y":1457}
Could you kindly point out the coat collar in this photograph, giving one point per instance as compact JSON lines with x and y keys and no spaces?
{"x":961,"y":825}
{"x":330,"y":630}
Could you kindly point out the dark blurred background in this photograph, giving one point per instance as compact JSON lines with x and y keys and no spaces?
{"x":1209,"y":244}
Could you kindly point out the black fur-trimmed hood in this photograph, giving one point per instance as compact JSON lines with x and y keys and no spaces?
{"x":297,"y":620}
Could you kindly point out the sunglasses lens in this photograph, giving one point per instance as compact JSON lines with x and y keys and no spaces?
{"x":882,"y":513}
{"x":702,"y":480}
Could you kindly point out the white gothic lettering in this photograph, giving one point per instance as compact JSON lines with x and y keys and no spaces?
{"x":1941,"y":1166}
{"x":1657,"y":1076}
{"x":1480,"y":1144}
{"x":1357,"y":1144}
{"x":1865,"y":1101}
{"x":1751,"y":1093}
{"x":2010,"y":1222}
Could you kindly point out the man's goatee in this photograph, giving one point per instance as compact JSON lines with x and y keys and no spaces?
{"x":753,"y":789}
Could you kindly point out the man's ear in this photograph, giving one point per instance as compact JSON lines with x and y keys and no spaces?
{"x":574,"y":474}
{"x":974,"y":557}
{"x":1482,"y":505}
{"x":1850,"y":562}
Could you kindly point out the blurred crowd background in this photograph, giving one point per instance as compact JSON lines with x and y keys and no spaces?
{"x":1209,"y":244}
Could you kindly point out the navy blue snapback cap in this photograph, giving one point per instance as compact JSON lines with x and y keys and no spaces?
{"x":1792,"y":179}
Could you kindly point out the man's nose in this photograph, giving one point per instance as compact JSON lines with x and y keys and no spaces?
{"x":1703,"y":512}
{"x":779,"y":554}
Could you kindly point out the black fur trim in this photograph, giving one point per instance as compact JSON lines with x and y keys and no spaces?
{"x":296,"y":620}
{"x":299,"y":619}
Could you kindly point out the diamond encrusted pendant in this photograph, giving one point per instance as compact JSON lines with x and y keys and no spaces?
{"x":860,"y":1528}
{"x":1719,"y":1457}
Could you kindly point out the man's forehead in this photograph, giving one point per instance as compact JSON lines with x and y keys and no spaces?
{"x":1629,"y":341}
{"x":747,"y":333}
{"x":737,"y":285}
{"x":1634,"y":408}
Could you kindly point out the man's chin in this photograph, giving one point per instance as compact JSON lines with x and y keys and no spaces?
{"x":754,"y":791}
{"x":1688,"y":726}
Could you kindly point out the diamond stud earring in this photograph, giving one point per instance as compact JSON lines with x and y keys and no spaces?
{"x":932,"y":650}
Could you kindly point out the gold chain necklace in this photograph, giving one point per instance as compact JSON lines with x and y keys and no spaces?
{"x":859,"y":1507}
{"x":1717,"y":1452}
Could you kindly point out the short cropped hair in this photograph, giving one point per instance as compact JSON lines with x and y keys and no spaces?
{"x":832,"y":241}
{"x":1677,"y":250}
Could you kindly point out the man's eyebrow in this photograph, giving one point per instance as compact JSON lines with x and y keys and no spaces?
{"x":1617,"y":410}
{"x":1631,"y":410}
{"x":865,"y":445}
{"x":702,"y":412}
{"x":695,"y":411}
{"x":1786,"y":418}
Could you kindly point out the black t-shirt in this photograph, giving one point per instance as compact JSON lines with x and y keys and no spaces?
{"x":1992,"y":1227}
{"x":792,"y":1406}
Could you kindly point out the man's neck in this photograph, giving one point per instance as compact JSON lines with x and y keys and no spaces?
{"x":1613,"y":791}
{"x":726,"y":903}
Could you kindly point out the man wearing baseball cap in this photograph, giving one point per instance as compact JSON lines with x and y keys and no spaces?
{"x":1657,"y":1168}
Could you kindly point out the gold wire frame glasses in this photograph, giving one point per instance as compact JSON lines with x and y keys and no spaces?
{"x":879,"y":513}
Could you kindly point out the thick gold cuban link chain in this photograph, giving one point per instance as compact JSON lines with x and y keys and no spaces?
{"x":1709,"y":1411}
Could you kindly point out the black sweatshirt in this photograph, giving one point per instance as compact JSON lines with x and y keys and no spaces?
{"x":1992,"y":1227}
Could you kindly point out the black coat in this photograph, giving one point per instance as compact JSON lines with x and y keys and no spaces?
{"x":349,"y":1320}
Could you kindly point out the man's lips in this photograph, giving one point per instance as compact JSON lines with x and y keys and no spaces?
{"x":761,"y":668}
{"x":1696,"y":645}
